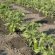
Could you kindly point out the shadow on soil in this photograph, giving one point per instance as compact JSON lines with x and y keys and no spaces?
{"x":50,"y":31}
{"x":42,"y":21}
{"x":2,"y":52}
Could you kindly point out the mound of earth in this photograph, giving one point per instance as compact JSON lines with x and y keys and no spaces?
{"x":13,"y":45}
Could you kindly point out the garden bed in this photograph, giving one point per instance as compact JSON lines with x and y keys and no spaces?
{"x":25,"y":36}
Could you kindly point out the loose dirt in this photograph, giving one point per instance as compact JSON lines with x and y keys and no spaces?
{"x":13,"y":45}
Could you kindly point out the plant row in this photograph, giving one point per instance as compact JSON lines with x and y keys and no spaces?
{"x":45,"y":6}
{"x":40,"y":43}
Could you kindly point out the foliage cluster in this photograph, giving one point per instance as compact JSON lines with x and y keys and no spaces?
{"x":12,"y":18}
{"x":45,"y":6}
{"x":40,"y":43}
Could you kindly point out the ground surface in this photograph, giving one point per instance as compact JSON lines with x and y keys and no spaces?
{"x":16,"y":45}
{"x":13,"y":45}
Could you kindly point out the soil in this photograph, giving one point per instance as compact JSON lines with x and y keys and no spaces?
{"x":13,"y":44}
{"x":3,"y":29}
